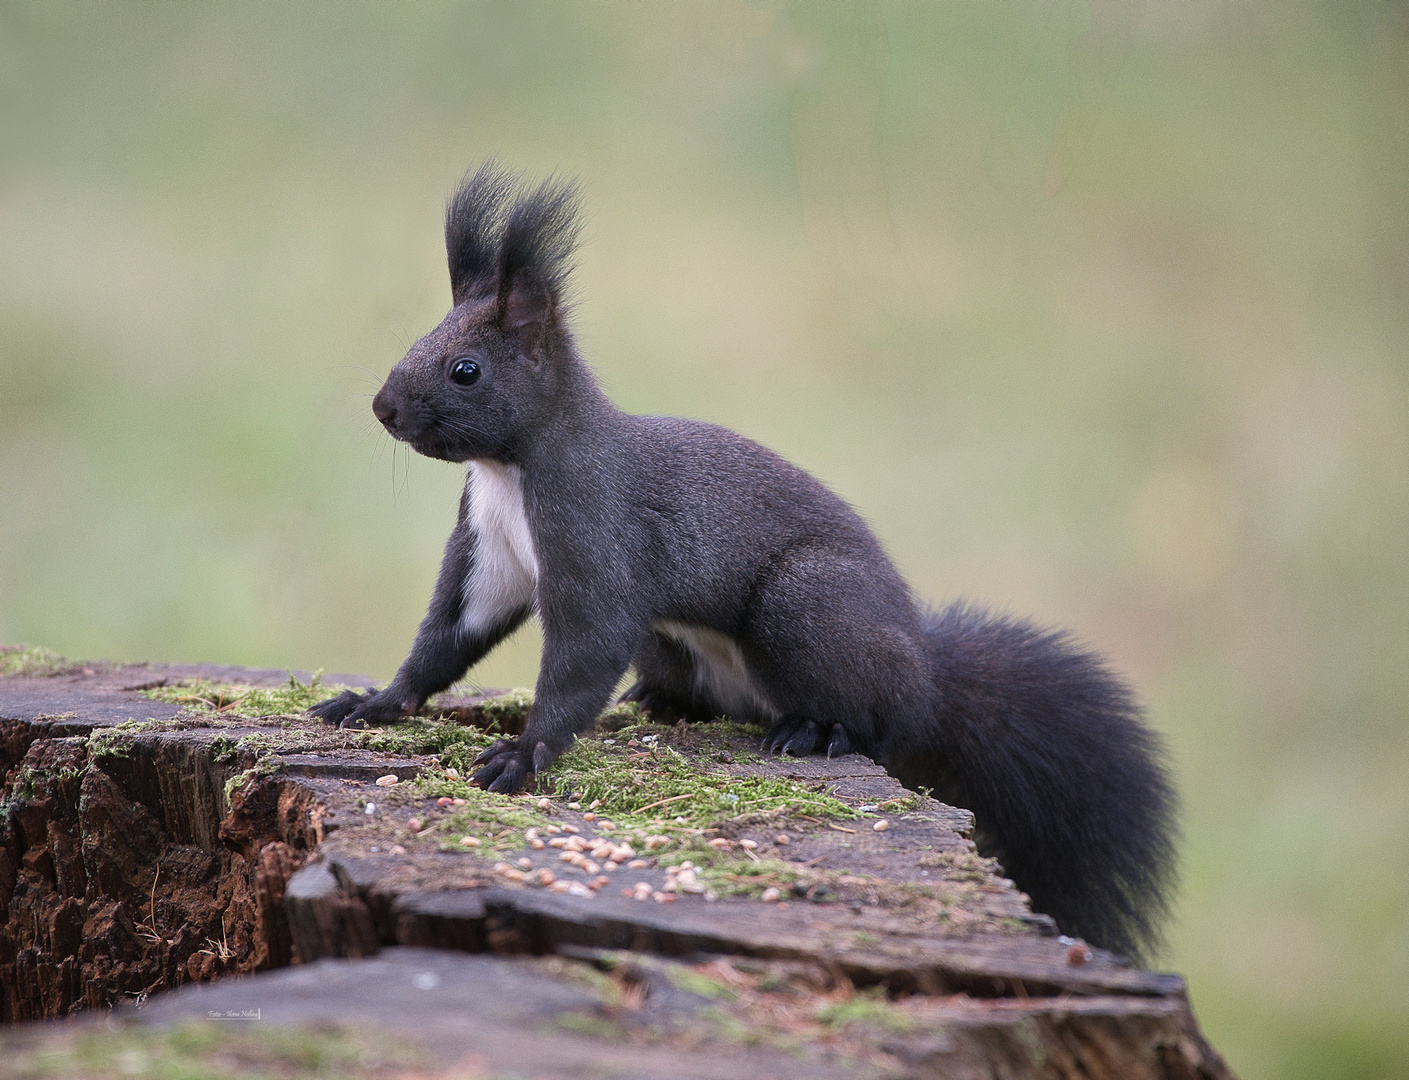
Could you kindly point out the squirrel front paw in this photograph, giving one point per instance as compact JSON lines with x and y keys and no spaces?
{"x":508,"y":767}
{"x":353,"y":710}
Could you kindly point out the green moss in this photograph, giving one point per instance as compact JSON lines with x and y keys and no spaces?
{"x":237,"y":699}
{"x":696,"y":982}
{"x":264,"y":766}
{"x":454,"y":744}
{"x":219,"y":1051}
{"x":32,"y":661}
{"x":114,"y":741}
{"x":497,"y":821}
{"x":642,"y":785}
{"x":598,"y":1027}
{"x":507,"y":712}
{"x":223,"y":748}
{"x":869,"y":1007}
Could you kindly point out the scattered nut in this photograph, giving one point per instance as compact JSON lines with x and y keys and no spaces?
{"x":750,"y":844}
{"x":388,"y":780}
{"x":603,"y":823}
{"x":571,"y":829}
{"x":1078,"y":954}
{"x":415,"y":824}
{"x":589,"y":816}
{"x":770,"y":895}
{"x":600,"y":880}
{"x":595,"y":803}
{"x":653,"y":842}
{"x":663,"y":897}
{"x":537,"y":845}
{"x":470,"y":841}
{"x":782,"y":838}
{"x":444,"y":800}
{"x":457,"y":802}
{"x":546,"y":877}
{"x":609,"y":866}
{"x":396,"y":849}
{"x":881,"y":826}
{"x":370,"y":808}
{"x":544,"y":803}
{"x":530,"y":835}
{"x":574,"y":806}
{"x":523,"y":863}
{"x":719,"y":843}
{"x":453,"y":773}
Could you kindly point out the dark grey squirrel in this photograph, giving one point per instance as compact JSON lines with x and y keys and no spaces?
{"x":735,"y":583}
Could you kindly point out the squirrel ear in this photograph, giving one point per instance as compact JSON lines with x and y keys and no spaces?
{"x":525,"y":312}
{"x":535,"y":258}
{"x":474,"y":221}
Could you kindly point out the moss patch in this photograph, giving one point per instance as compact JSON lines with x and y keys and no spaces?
{"x":234,"y":699}
{"x":32,"y":661}
{"x":225,"y":1051}
{"x":641,"y":781}
{"x":868,"y":1007}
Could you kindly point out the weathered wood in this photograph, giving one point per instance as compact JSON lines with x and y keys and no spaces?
{"x":126,"y":869}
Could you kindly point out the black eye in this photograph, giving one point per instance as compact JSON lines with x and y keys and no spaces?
{"x":464,"y":371}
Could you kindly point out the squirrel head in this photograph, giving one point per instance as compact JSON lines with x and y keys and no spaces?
{"x":492,"y":371}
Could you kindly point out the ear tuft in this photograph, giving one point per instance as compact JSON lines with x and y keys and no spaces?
{"x":513,"y":244}
{"x":535,"y":258}
{"x":474,"y":223}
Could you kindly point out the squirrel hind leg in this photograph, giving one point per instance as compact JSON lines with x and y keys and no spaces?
{"x":666,"y":683}
{"x":665,"y":705}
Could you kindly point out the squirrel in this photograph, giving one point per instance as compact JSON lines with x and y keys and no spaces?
{"x":735,"y":583}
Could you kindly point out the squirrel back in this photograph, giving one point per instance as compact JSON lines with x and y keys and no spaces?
{"x":735,"y":583}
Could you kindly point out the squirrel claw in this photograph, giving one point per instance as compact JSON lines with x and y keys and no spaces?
{"x":840,"y":743}
{"x":506,"y":768}
{"x":795,"y":735}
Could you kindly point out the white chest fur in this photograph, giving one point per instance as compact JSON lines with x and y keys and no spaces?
{"x":504,"y":566}
{"x":721,"y":676}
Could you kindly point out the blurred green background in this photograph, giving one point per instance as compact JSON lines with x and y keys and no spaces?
{"x":1099,"y":311}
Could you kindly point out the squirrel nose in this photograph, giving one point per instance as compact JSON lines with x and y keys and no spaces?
{"x":383,"y":409}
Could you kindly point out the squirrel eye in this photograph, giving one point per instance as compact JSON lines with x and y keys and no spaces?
{"x":464,"y":371}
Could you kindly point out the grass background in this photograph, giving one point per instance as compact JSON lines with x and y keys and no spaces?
{"x":1096,"y":310}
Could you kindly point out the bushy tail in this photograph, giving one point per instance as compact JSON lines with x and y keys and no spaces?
{"x":1068,"y":786}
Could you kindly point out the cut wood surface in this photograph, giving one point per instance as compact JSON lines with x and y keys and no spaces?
{"x":795,"y":917}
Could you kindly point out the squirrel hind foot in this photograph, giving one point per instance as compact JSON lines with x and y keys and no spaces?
{"x":795,"y":735}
